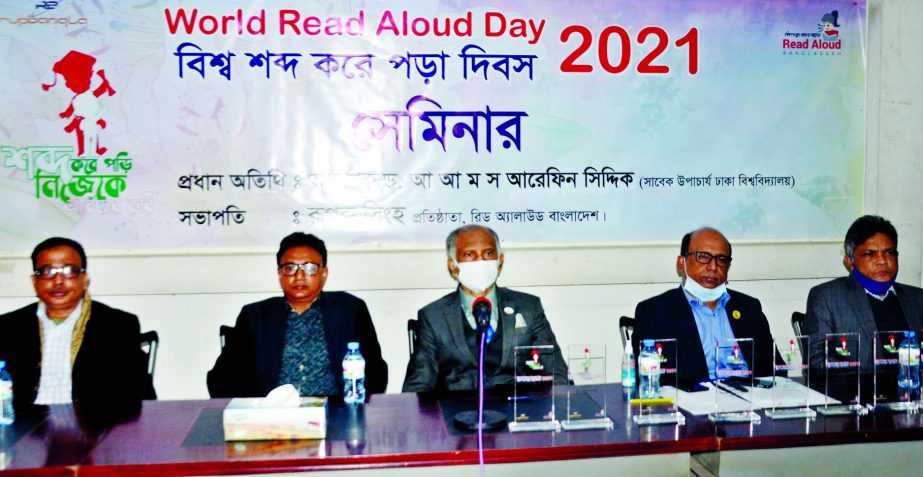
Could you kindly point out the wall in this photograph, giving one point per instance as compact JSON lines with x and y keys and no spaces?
{"x":186,"y":295}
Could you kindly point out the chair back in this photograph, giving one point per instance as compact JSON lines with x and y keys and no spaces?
{"x":149,"y":343}
{"x":797,"y":324}
{"x":626,"y":328}
{"x":412,"y":339}
{"x":224,"y":332}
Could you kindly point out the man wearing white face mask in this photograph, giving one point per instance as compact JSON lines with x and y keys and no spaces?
{"x":702,"y":310}
{"x":446,"y":358}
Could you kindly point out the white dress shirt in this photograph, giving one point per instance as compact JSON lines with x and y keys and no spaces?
{"x":55,"y":385}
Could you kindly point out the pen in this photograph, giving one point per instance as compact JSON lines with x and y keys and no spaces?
{"x":737,"y":386}
{"x":652,"y":401}
{"x":519,"y":398}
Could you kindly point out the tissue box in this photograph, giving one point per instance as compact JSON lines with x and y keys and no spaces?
{"x":249,"y":419}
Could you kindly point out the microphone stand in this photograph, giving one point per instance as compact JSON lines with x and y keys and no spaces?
{"x":481,"y":419}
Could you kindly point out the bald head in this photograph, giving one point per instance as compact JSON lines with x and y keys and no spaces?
{"x":687,"y":239}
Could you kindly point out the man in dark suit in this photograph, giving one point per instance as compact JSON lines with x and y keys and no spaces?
{"x":68,"y":348}
{"x":301,"y":337}
{"x":867,"y":300}
{"x":447,"y":356}
{"x":702,"y":311}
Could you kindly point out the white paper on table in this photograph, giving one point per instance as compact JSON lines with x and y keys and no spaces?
{"x":788,"y":393}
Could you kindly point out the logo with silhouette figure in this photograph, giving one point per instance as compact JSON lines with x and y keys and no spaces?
{"x":535,"y":364}
{"x":78,"y":170}
{"x":85,"y":111}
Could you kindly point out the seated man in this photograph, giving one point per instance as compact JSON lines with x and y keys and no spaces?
{"x":447,"y":356}
{"x":867,"y":300}
{"x":299,"y":338}
{"x":702,"y":311}
{"x":67,"y":348}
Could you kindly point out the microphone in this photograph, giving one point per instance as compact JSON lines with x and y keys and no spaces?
{"x":481,"y":309}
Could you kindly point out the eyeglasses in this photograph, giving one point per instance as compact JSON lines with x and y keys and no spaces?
{"x":291,"y":269}
{"x":67,"y":271}
{"x":705,"y":258}
{"x":889,"y":253}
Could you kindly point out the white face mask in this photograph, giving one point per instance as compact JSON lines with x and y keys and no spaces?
{"x":478,"y":275}
{"x":705,"y":295}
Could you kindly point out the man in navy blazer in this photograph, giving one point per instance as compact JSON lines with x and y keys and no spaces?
{"x":301,"y":337}
{"x":703,"y":311}
{"x":866,"y":301}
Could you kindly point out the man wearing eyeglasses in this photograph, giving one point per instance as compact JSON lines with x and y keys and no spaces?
{"x":299,"y":338}
{"x":867,"y":300}
{"x":66,"y":347}
{"x":702,"y":311}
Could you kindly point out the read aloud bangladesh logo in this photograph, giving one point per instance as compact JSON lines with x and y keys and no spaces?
{"x":824,"y":41}
{"x":81,"y":169}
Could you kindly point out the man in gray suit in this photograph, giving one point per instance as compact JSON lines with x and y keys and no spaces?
{"x":447,"y":356}
{"x":866,"y":301}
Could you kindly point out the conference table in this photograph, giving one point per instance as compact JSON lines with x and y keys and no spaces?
{"x":410,"y":434}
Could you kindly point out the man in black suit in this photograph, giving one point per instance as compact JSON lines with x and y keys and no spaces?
{"x":447,"y":356}
{"x":867,"y":300}
{"x":301,"y":337}
{"x":68,"y":348}
{"x":702,"y":311}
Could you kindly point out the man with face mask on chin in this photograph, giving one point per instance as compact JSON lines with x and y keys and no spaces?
{"x":867,"y":300}
{"x":702,"y":310}
{"x":447,"y":356}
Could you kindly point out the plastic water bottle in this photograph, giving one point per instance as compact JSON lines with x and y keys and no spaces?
{"x":908,"y":356}
{"x":353,"y":375}
{"x":649,"y":366}
{"x":6,"y":396}
{"x":628,"y":368}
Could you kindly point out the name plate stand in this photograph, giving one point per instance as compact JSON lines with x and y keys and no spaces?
{"x":587,"y":365}
{"x":733,"y":380}
{"x":533,"y":396}
{"x":790,"y":401}
{"x":662,"y":408}
{"x":886,"y":360}
{"x":841,"y":375}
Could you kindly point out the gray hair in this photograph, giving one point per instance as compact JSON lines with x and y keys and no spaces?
{"x":451,"y":248}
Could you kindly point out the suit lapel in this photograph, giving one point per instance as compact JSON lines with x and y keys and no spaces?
{"x":738,"y":326}
{"x":32,"y":350}
{"x":454,"y":319}
{"x":691,"y":349}
{"x":333,"y":330}
{"x":276,"y":337}
{"x":507,"y":325}
{"x":856,"y":300}
{"x":741,"y":326}
{"x":911,"y":312}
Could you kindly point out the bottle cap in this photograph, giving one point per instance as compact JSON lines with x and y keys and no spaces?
{"x":648,"y":342}
{"x":352,"y":346}
{"x":910,"y":334}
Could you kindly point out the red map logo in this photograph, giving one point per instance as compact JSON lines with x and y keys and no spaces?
{"x":86,"y":107}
